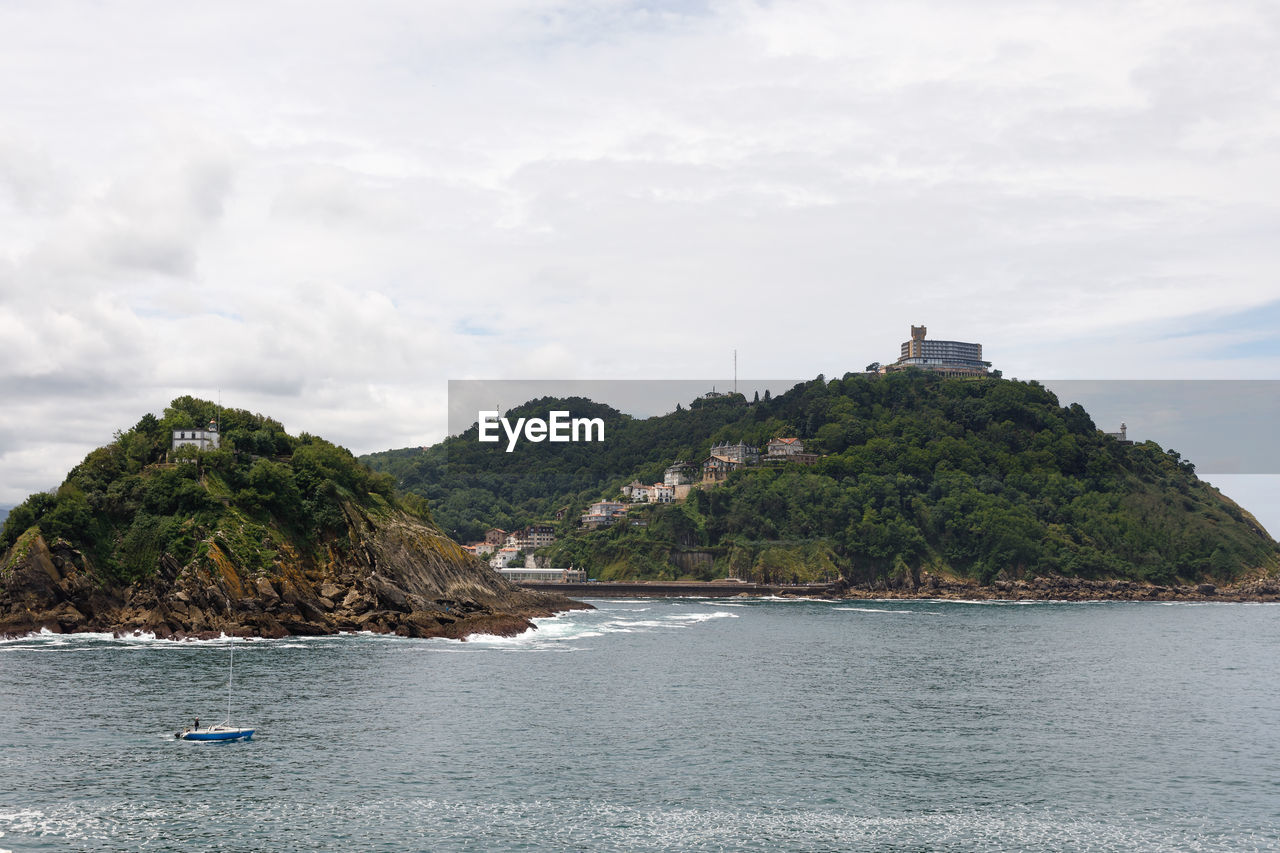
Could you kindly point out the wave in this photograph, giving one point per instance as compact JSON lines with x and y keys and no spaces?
{"x":702,"y":617}
{"x":884,"y":610}
{"x":397,"y":823}
{"x":795,"y":599}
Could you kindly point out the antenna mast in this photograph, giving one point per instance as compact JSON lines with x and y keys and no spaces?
{"x":735,"y":371}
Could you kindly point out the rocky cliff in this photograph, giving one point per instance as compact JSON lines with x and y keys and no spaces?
{"x":399,"y":575}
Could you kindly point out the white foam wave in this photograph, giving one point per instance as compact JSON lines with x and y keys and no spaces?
{"x":702,"y":617}
{"x":573,"y":823}
{"x":886,"y":610}
{"x":796,"y":599}
{"x":562,"y":632}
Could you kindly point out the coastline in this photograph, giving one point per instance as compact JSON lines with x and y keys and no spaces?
{"x":1039,"y":589}
{"x":500,"y":624}
{"x":407,"y":579}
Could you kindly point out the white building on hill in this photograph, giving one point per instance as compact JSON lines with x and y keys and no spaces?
{"x":201,"y":439}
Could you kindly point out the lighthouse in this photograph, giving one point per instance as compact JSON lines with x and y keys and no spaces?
{"x":201,"y":439}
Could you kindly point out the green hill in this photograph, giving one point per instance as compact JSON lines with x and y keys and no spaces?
{"x":270,"y":534}
{"x":985,"y":479}
{"x":133,"y":500}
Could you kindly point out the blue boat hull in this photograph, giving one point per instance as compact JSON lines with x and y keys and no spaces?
{"x":216,"y":733}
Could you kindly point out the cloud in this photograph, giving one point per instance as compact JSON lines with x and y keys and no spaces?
{"x":314,"y":210}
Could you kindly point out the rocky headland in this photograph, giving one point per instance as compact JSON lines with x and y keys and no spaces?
{"x":402,"y":577}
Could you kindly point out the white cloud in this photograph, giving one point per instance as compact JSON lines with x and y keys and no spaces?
{"x":327,"y":211}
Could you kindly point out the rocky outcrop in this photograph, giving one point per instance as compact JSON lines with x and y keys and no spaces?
{"x":392,"y":574}
{"x":1059,"y":588}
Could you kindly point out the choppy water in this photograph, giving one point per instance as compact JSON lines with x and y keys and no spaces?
{"x":665,"y":724}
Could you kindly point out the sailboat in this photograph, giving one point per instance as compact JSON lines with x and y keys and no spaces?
{"x":223,"y":730}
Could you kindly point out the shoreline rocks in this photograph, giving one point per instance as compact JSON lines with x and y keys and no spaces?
{"x":406,"y":578}
{"x":1072,"y":589}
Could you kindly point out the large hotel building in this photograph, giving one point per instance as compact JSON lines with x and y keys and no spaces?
{"x":951,"y":358}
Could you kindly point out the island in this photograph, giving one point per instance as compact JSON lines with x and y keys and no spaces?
{"x":208,"y":521}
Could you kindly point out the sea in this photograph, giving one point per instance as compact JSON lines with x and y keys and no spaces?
{"x":666,"y":724}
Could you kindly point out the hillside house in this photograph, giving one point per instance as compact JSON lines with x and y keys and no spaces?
{"x":784,"y":447}
{"x":680,"y":473}
{"x":532,"y":537}
{"x":743,"y":454}
{"x":788,"y":450}
{"x":661,"y":493}
{"x":201,"y":439}
{"x":602,"y":514}
{"x":716,"y":469}
{"x":635,"y":491}
{"x":503,"y":557}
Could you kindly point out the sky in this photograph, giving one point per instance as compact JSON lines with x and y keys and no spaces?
{"x":324,"y":212}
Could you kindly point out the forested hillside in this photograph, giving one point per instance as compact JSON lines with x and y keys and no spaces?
{"x":986,"y":478}
{"x":125,"y":506}
{"x":269,"y":535}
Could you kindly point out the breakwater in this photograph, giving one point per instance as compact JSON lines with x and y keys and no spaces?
{"x":678,"y":589}
{"x":930,"y":588}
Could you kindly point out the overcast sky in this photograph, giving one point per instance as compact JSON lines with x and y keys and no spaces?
{"x":325,"y":211}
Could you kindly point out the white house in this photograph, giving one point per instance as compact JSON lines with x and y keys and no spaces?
{"x":201,"y":439}
{"x":785,"y":447}
{"x":636,"y":492}
{"x":602,"y":513}
{"x":680,"y":473}
{"x":503,"y":557}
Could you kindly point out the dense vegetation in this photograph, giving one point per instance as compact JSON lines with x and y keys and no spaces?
{"x":132,"y":502}
{"x":982,"y":478}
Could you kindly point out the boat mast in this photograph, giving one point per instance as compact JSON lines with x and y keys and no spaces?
{"x":230,"y":671}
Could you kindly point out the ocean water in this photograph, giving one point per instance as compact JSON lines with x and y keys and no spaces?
{"x":667,"y":724}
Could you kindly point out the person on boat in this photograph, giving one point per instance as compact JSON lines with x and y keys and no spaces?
{"x":197,"y":725}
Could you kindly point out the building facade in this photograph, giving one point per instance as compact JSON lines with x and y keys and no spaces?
{"x":680,"y":473}
{"x":784,"y":447}
{"x":201,"y":439}
{"x":539,"y":536}
{"x":716,"y":469}
{"x":502,"y":557}
{"x":602,"y":514}
{"x":951,"y":358}
{"x":569,"y":575}
{"x":743,"y":454}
